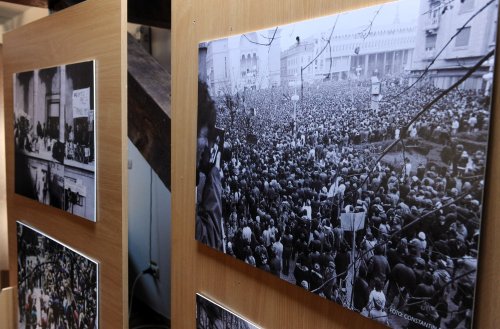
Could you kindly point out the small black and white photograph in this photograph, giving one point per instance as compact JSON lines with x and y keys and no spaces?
{"x":353,"y":155}
{"x":211,"y":315}
{"x":54,"y":134}
{"x":57,"y":286}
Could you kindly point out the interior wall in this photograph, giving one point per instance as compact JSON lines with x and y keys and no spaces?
{"x":154,"y":292}
{"x":160,"y":44}
{"x":31,"y":14}
{"x":4,"y":250}
{"x":252,"y":293}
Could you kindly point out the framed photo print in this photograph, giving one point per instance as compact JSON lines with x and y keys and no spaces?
{"x":210,"y":314}
{"x":353,"y":155}
{"x":54,"y":133}
{"x":57,"y":286}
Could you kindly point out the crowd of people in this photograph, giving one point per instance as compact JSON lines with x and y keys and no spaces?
{"x":210,"y":315}
{"x":42,"y":163}
{"x":283,"y":202}
{"x":57,"y":287}
{"x":38,"y":139}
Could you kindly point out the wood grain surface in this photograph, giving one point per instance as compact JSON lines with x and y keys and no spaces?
{"x":258,"y":296}
{"x":4,"y":250}
{"x":7,"y":309}
{"x":93,"y":30}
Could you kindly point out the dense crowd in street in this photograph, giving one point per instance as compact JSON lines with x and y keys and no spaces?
{"x":210,"y":315}
{"x":284,"y":196}
{"x":57,"y":287}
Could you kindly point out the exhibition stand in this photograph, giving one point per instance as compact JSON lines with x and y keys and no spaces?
{"x":7,"y":308}
{"x":259,"y":297}
{"x":96,"y":30}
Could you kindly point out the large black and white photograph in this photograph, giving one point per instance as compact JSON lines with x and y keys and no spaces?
{"x":54,"y":134}
{"x":353,"y":150}
{"x":57,"y":286}
{"x":211,"y":315}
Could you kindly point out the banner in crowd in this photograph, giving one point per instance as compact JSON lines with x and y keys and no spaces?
{"x":81,"y":103}
{"x":352,"y":222}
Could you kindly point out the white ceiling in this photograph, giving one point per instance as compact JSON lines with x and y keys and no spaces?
{"x":9,"y":10}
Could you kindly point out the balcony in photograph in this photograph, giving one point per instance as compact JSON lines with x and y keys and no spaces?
{"x":431,"y":23}
{"x":429,"y":53}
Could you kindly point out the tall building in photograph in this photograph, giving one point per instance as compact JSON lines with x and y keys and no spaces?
{"x":385,"y":50}
{"x":357,"y":53}
{"x":438,"y":22}
{"x":249,"y":61}
{"x":294,"y":59}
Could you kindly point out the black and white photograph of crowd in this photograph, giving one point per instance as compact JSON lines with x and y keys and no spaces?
{"x":347,"y":155}
{"x":54,"y":137}
{"x":211,"y":315}
{"x":57,"y":287}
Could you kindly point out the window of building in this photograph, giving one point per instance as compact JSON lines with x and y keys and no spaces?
{"x":430,"y":42}
{"x":462,"y":39}
{"x":466,"y":6}
{"x":493,"y":33}
{"x":225,"y":67}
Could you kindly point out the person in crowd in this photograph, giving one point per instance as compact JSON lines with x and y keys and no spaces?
{"x":58,"y":287}
{"x":209,"y":212}
{"x":285,"y":184}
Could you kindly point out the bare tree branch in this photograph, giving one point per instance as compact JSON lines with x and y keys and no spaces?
{"x":368,"y":29}
{"x":426,"y":70}
{"x":403,"y":134}
{"x":263,"y":44}
{"x":404,"y":129}
{"x":326,"y":45}
{"x":413,"y":223}
{"x":443,"y":5}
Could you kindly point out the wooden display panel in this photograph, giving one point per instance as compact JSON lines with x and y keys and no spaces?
{"x":258,"y":296}
{"x":4,"y":253}
{"x":92,"y":30}
{"x":7,"y":309}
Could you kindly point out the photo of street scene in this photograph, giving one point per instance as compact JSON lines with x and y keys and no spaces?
{"x":347,"y":155}
{"x":57,"y":287}
{"x":54,"y":110}
{"x":210,"y":315}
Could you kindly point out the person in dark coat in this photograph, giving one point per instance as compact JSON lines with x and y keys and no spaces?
{"x":402,"y":282}
{"x":378,"y":266}
{"x":361,"y":290}
{"x":209,"y":203}
{"x":342,"y":261}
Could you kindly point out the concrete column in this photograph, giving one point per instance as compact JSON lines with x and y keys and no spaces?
{"x":62,"y":104}
{"x":36,"y":104}
{"x":367,"y":56}
{"x":393,"y":62}
{"x":202,"y":62}
{"x":383,"y":65}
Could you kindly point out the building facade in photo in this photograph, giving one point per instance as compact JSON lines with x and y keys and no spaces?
{"x":294,"y":59}
{"x":385,"y":50}
{"x":438,"y":22}
{"x":249,"y":61}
